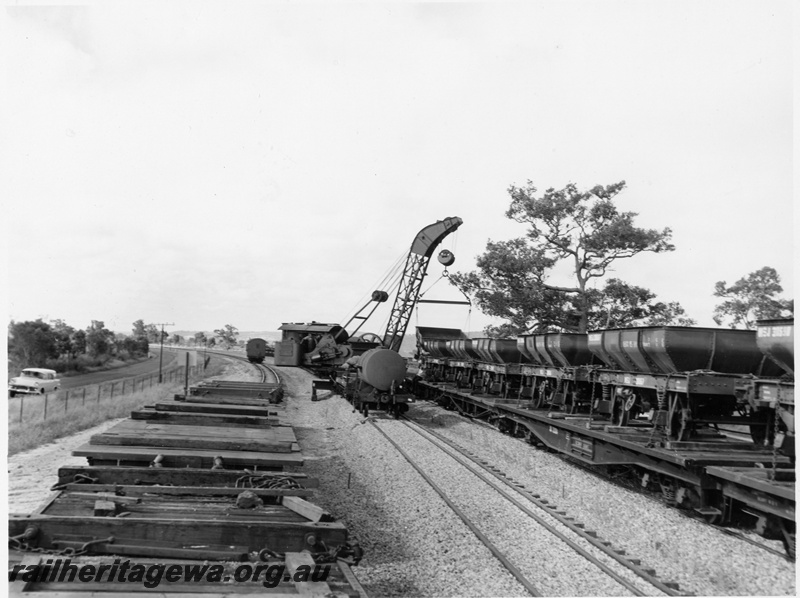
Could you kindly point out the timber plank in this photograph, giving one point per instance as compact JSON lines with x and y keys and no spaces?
{"x":181,"y":457}
{"x":285,"y":433}
{"x":206,"y":419}
{"x":259,"y":393}
{"x":192,"y":407}
{"x":194,"y":443}
{"x":144,"y":433}
{"x":154,"y":508}
{"x":253,"y":535}
{"x":217,"y":399}
{"x":144,"y":477}
{"x":133,"y":492}
{"x":307,"y":509}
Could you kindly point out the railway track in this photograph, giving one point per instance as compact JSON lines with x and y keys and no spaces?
{"x":636,"y":487}
{"x":269,"y":375}
{"x":535,"y":540}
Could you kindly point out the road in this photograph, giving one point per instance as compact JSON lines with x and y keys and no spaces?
{"x":143,"y":368}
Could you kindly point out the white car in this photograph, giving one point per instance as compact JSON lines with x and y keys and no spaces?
{"x":34,"y":381}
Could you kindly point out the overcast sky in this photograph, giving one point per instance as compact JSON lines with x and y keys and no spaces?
{"x":257,"y":163}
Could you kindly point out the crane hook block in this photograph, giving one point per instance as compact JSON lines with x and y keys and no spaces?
{"x":380,"y":296}
{"x":446,"y":257}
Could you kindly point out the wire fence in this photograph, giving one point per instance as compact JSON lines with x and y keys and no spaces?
{"x":39,"y":407}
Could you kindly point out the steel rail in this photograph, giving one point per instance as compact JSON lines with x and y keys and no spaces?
{"x":563,"y":519}
{"x":481,"y":536}
{"x":264,"y":370}
{"x":770,"y":549}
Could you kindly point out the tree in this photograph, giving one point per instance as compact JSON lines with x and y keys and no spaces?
{"x":63,"y":336}
{"x":98,"y":338}
{"x":620,"y":305}
{"x":78,"y":340}
{"x":176,"y":339}
{"x":31,"y":343}
{"x":139,"y":329}
{"x":584,"y":229}
{"x":200,"y":338}
{"x":751,"y":298}
{"x":506,"y":286}
{"x":227,"y":335}
{"x":153,"y":333}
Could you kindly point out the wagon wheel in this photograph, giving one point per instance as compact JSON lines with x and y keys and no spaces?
{"x":620,"y":415}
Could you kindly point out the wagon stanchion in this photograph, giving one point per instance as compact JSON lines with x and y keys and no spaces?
{"x":775,"y":431}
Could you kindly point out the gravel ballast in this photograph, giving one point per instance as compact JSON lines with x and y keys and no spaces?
{"x":416,"y":546}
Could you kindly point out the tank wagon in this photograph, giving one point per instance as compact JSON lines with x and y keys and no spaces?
{"x":378,"y":379}
{"x":705,"y":415}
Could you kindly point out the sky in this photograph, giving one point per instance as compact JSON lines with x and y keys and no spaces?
{"x":253,"y":163}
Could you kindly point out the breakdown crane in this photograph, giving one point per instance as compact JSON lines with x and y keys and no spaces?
{"x":372,"y":374}
{"x":425,"y":243}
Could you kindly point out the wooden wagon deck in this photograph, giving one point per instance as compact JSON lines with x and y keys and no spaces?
{"x":198,"y":481}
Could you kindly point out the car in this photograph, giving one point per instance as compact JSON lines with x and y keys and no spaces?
{"x":33,"y":381}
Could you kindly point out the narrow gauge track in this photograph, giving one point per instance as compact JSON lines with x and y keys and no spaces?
{"x":637,"y":487}
{"x":689,"y":515}
{"x":268,"y":374}
{"x":587,"y":565}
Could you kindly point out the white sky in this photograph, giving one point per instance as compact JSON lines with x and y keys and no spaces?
{"x":257,"y":163}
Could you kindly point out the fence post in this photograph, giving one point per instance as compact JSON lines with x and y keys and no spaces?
{"x":99,"y":390}
{"x":83,"y":401}
{"x":45,"y":406}
{"x":123,"y":387}
{"x":66,"y":402}
{"x":186,"y":377}
{"x":112,"y":389}
{"x":21,"y":403}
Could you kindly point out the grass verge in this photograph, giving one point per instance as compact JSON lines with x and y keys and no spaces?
{"x":27,"y":434}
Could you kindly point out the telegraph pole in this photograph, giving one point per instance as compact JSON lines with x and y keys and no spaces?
{"x":161,"y":351}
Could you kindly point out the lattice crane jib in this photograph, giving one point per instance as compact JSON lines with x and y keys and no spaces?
{"x":425,"y":243}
